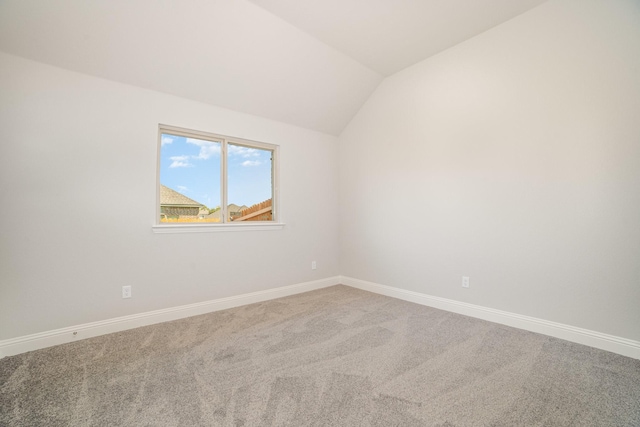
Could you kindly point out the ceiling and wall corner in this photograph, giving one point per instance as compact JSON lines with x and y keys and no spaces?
{"x":296,"y":62}
{"x":388,"y":36}
{"x":231,"y":54}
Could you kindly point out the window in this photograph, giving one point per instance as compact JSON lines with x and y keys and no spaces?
{"x":215,"y":180}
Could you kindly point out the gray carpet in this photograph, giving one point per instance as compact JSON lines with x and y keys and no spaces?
{"x":332,"y":357}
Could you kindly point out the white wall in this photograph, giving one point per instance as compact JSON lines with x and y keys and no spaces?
{"x":77,"y":189}
{"x":512,"y":158}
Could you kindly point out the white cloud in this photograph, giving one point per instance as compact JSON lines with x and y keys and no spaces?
{"x":182,"y":188}
{"x":200,"y":142}
{"x":207,"y":148}
{"x":166,"y":140}
{"x":250,"y":163}
{"x":243,"y":151}
{"x":180,"y":162}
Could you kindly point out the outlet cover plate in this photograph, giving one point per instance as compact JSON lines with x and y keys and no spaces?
{"x":465,"y":281}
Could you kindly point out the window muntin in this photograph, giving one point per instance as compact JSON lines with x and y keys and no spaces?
{"x":213,"y":179}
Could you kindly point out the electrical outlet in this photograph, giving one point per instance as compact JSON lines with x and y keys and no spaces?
{"x":126,"y":292}
{"x":465,"y":281}
{"x":313,"y":265}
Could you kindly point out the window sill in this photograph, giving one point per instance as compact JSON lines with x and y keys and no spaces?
{"x":210,"y":228}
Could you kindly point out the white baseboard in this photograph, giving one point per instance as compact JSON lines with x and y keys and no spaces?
{"x":623,"y":346}
{"x":37,"y":341}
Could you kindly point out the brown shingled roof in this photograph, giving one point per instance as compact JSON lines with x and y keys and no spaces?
{"x":169,"y":197}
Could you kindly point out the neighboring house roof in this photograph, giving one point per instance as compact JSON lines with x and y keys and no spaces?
{"x":235,"y":208}
{"x":169,"y":197}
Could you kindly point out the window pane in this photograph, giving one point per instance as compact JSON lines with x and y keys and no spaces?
{"x":189,"y":180}
{"x":250,"y":184}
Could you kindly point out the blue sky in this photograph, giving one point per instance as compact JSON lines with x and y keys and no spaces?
{"x":192,"y":167}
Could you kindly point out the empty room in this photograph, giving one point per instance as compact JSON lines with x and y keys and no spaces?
{"x":320,"y":213}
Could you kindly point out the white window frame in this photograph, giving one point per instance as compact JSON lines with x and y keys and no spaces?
{"x":224,"y":140}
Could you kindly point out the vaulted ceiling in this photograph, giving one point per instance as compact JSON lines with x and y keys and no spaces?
{"x":307,"y":63}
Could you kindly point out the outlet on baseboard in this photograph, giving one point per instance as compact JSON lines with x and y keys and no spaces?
{"x":465,"y":281}
{"x":126,"y":292}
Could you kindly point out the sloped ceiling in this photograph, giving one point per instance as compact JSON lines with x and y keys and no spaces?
{"x":298,"y":62}
{"x":390,"y":35}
